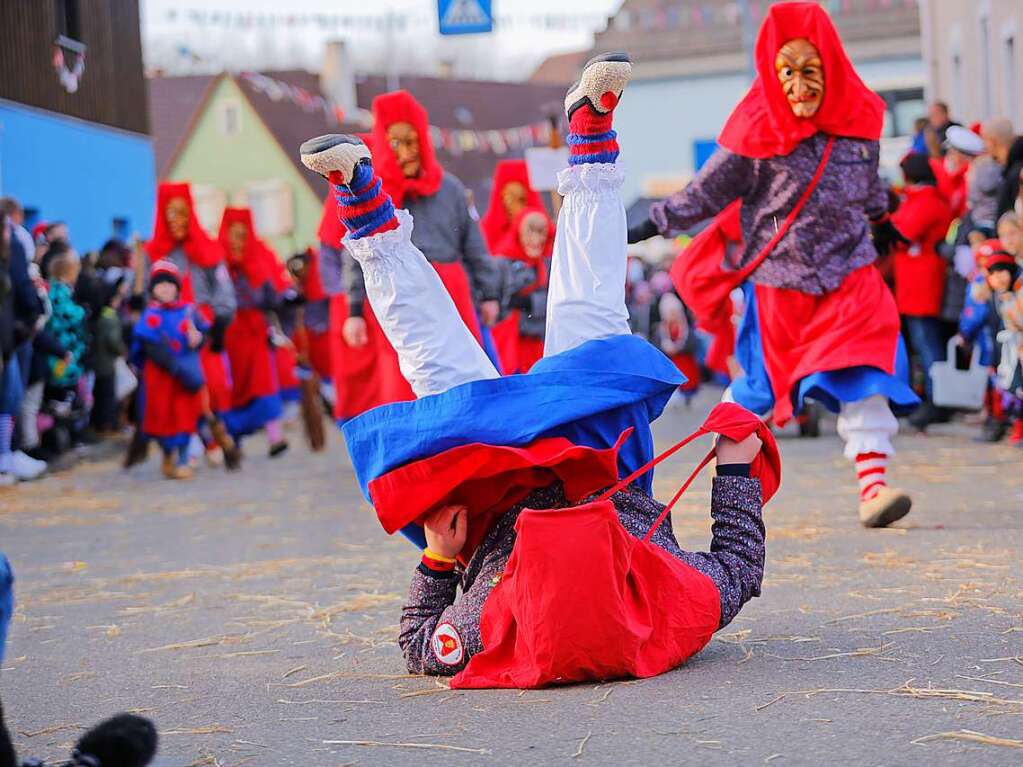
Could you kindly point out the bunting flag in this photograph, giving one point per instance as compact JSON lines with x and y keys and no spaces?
{"x":456,"y":141}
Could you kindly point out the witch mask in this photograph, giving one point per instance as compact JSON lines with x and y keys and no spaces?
{"x":801,"y":74}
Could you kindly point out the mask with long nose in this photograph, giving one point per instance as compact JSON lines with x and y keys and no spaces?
{"x":801,"y":74}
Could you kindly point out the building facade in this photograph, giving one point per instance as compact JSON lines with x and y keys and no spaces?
{"x":74,"y":125}
{"x":973,"y":57}
{"x":691,"y":66}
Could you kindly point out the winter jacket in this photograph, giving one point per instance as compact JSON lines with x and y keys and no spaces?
{"x":1008,"y":190}
{"x":923,"y":218}
{"x":67,"y":326}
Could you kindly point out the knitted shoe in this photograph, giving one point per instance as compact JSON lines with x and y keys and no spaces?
{"x":603,"y":79}
{"x":334,"y":153}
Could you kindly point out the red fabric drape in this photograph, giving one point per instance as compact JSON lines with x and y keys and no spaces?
{"x":401,"y":106}
{"x":495,"y":222}
{"x":763,"y":124}
{"x":201,"y":250}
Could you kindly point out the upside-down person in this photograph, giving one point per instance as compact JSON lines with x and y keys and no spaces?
{"x":801,"y":153}
{"x":445,"y":232}
{"x":178,"y":237}
{"x":485,"y":472}
{"x":255,"y":390}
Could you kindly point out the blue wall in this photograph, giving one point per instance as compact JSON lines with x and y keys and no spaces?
{"x":78,"y":172}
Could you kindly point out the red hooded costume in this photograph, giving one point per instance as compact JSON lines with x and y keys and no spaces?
{"x":518,"y":351}
{"x":803,"y":333}
{"x":495,"y":222}
{"x":253,"y":368}
{"x":367,"y":376}
{"x":763,"y":124}
{"x":204,"y":253}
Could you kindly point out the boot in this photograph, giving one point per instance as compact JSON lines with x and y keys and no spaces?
{"x":172,"y":470}
{"x":138,"y":449}
{"x":887,"y":506}
{"x":993,"y":430}
{"x":232,"y":453}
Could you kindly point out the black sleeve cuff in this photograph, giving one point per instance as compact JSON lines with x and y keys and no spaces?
{"x":437,"y":574}
{"x":733,"y":470}
{"x":356,"y":308}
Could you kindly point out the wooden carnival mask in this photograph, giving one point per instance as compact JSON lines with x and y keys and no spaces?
{"x":404,"y":141}
{"x":514,"y":197}
{"x":177,"y":214}
{"x":801,"y":74}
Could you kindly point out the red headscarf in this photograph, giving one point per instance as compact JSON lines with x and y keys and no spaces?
{"x":202,"y":251}
{"x":763,"y":125}
{"x":397,"y":107}
{"x":511,"y":247}
{"x":258,"y":262}
{"x":495,"y":223}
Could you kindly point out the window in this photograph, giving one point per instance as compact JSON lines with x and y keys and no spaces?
{"x":985,"y":65}
{"x":1009,"y":67}
{"x":68,"y":20}
{"x":209,"y":204}
{"x":272,"y":207}
{"x":230,"y":118}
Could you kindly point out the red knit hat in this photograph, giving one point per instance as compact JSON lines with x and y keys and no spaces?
{"x":164,"y":270}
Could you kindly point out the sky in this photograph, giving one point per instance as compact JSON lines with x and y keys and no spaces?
{"x":182,"y":36}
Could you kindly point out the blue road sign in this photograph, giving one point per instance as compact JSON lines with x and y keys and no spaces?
{"x":465,"y":17}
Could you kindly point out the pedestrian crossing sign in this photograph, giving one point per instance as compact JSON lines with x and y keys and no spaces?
{"x":465,"y":17}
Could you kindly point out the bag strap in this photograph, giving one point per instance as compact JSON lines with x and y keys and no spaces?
{"x":622,"y":483}
{"x":749,"y":268}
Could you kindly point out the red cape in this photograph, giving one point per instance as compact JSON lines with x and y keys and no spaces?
{"x":763,"y":125}
{"x":401,"y":106}
{"x":201,"y":250}
{"x":495,"y":223}
{"x":699,"y":277}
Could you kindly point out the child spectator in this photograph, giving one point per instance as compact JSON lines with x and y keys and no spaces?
{"x":1007,"y":301}
{"x":67,"y":327}
{"x":166,"y":342}
{"x":923,"y":218}
{"x":109,"y":347}
{"x":1010,"y":234}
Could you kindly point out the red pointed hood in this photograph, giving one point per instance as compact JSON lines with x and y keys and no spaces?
{"x":395,"y":107}
{"x":510,"y":247}
{"x":258,"y":263}
{"x":312,"y":283}
{"x":763,"y":125}
{"x":201,"y":250}
{"x":495,"y":223}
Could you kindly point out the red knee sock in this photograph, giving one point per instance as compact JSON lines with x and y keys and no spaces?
{"x":870,"y":468}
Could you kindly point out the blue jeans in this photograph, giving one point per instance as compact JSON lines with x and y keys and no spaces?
{"x":927,"y":339}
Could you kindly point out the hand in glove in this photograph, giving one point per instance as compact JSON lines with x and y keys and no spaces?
{"x":217,"y":333}
{"x":643,"y":231}
{"x":885,"y":235}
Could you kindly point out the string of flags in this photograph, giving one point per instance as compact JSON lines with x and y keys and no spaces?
{"x":379,"y":22}
{"x":685,"y":15}
{"x":455,"y":141}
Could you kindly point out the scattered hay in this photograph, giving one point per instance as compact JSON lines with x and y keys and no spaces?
{"x":908,"y":691}
{"x":210,"y":729}
{"x":582,"y":744}
{"x":325,"y":702}
{"x":858,"y":653}
{"x":293,"y":671}
{"x":196,"y":643}
{"x":49,"y":730}
{"x":378,"y":743}
{"x":970,"y":736}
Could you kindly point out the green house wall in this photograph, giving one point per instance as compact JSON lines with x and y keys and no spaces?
{"x":230,"y":162}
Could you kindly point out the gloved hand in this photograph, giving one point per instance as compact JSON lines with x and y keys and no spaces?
{"x":643,"y":231}
{"x":217,"y":333}
{"x":885,"y":235}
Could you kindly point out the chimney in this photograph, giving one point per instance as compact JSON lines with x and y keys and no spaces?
{"x":337,"y":77}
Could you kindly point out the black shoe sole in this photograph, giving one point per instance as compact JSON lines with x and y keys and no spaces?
{"x":616,"y":56}
{"x":321,"y":143}
{"x":900,"y":508}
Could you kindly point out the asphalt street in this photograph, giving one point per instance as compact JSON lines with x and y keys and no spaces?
{"x":253,"y":617}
